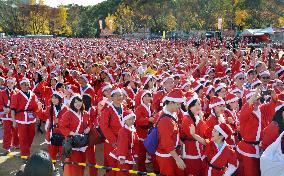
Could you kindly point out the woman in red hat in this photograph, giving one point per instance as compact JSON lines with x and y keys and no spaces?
{"x":52,"y":116}
{"x":192,"y":149}
{"x":220,"y":158}
{"x":75,"y":121}
{"x":144,"y":122}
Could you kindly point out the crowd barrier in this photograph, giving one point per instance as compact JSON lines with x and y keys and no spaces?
{"x":107,"y":168}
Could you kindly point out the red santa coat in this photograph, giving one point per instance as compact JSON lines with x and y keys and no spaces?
{"x":25,"y":107}
{"x":157,"y":100}
{"x":222,"y":158}
{"x":38,"y":89}
{"x":192,"y":149}
{"x":89,"y":90}
{"x":45,"y":116}
{"x":168,"y":134}
{"x":5,"y":101}
{"x":143,"y":113}
{"x":127,"y":143}
{"x":72,"y":121}
{"x":270,"y":134}
{"x":47,"y":94}
{"x":110,"y":123}
{"x":251,"y":125}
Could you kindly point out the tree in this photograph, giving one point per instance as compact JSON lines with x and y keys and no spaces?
{"x":38,"y":20}
{"x":111,"y":22}
{"x":124,"y":15}
{"x":60,"y":26}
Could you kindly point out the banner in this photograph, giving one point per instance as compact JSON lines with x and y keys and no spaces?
{"x":164,"y":34}
{"x":220,"y":20}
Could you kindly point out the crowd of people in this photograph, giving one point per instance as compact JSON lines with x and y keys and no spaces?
{"x":216,"y":108}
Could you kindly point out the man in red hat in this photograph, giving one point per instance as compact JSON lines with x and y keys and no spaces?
{"x":24,"y":106}
{"x":167,"y":153}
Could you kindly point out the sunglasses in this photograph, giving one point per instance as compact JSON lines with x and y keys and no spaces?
{"x":266,"y":77}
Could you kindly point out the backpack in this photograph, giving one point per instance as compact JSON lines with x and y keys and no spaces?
{"x":152,"y":140}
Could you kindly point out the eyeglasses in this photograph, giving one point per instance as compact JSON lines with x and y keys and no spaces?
{"x":266,"y":77}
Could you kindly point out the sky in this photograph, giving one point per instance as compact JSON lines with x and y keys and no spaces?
{"x":55,"y":3}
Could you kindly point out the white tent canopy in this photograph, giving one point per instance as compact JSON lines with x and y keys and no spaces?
{"x":249,"y":32}
{"x":268,"y":30}
{"x":252,"y":32}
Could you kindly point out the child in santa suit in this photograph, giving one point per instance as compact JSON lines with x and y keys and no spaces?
{"x":220,"y":158}
{"x":52,"y":115}
{"x":144,"y":122}
{"x":192,"y":149}
{"x":75,"y":121}
{"x":127,"y":143}
{"x":10,"y":134}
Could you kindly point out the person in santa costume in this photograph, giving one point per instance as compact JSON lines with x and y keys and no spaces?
{"x":24,"y":106}
{"x":192,"y":149}
{"x":167,"y":153}
{"x":275,"y":128}
{"x":144,"y":121}
{"x":86,"y":88}
{"x":10,"y":134}
{"x":110,"y":122}
{"x":93,"y":114}
{"x":75,"y":121}
{"x":127,"y":142}
{"x":254,"y":117}
{"x":52,"y":115}
{"x":220,"y":158}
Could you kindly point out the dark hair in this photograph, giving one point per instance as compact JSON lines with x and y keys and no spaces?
{"x":190,"y":113}
{"x":59,"y":85}
{"x":73,"y":102}
{"x":279,"y":120}
{"x":40,"y":78}
{"x":216,"y":92}
{"x":201,"y":87}
{"x":223,"y":137}
{"x":87,"y":101}
{"x":126,"y":83}
{"x":52,"y":105}
{"x":39,"y":163}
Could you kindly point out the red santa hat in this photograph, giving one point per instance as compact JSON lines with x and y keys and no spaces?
{"x":195,"y":85}
{"x":127,"y":115}
{"x":25,"y":80}
{"x":143,"y":94}
{"x":266,"y":72}
{"x":58,"y":93}
{"x":279,"y":105}
{"x":208,"y":89}
{"x":239,"y":74}
{"x":184,"y":83}
{"x":216,"y":101}
{"x":106,"y":86}
{"x":250,"y":94}
{"x":24,"y":65}
{"x":10,"y":79}
{"x":116,"y":90}
{"x":277,"y":82}
{"x":126,"y":72}
{"x":220,"y":86}
{"x":231,"y":97}
{"x":224,"y":129}
{"x":85,"y":77}
{"x":175,"y":95}
{"x":190,"y":97}
{"x":166,"y":76}
{"x":209,"y":70}
{"x":74,"y":96}
{"x":2,"y":79}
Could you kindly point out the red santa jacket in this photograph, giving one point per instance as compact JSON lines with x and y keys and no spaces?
{"x":192,"y":149}
{"x":5,"y":101}
{"x":57,"y":116}
{"x":25,"y":107}
{"x":110,"y":123}
{"x":72,"y":121}
{"x":225,"y":157}
{"x":168,"y":134}
{"x":251,"y":125}
{"x":47,"y":93}
{"x":127,"y":144}
{"x":270,"y":134}
{"x":157,"y":100}
{"x":143,"y":113}
{"x":38,"y":89}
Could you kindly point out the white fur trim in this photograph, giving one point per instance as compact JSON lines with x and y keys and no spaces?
{"x":222,"y":102}
{"x":209,"y":89}
{"x":220,"y":130}
{"x":24,"y":81}
{"x":256,"y":82}
{"x":75,"y":95}
{"x":116,"y":91}
{"x":109,"y":86}
{"x":250,"y":95}
{"x":147,"y":80}
{"x":279,"y":71}
{"x":186,"y":84}
{"x":165,"y":79}
{"x":197,"y":87}
{"x":195,"y":97}
{"x":232,"y":100}
{"x":221,"y":86}
{"x":128,"y":117}
{"x":177,"y":100}
{"x":85,"y":78}
{"x":264,"y":73}
{"x":279,"y":107}
{"x":239,"y":74}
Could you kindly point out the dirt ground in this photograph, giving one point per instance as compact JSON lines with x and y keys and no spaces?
{"x":9,"y":166}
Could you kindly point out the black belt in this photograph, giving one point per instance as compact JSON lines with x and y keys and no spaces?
{"x":187,"y":139}
{"x":252,"y":142}
{"x":215,"y":167}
